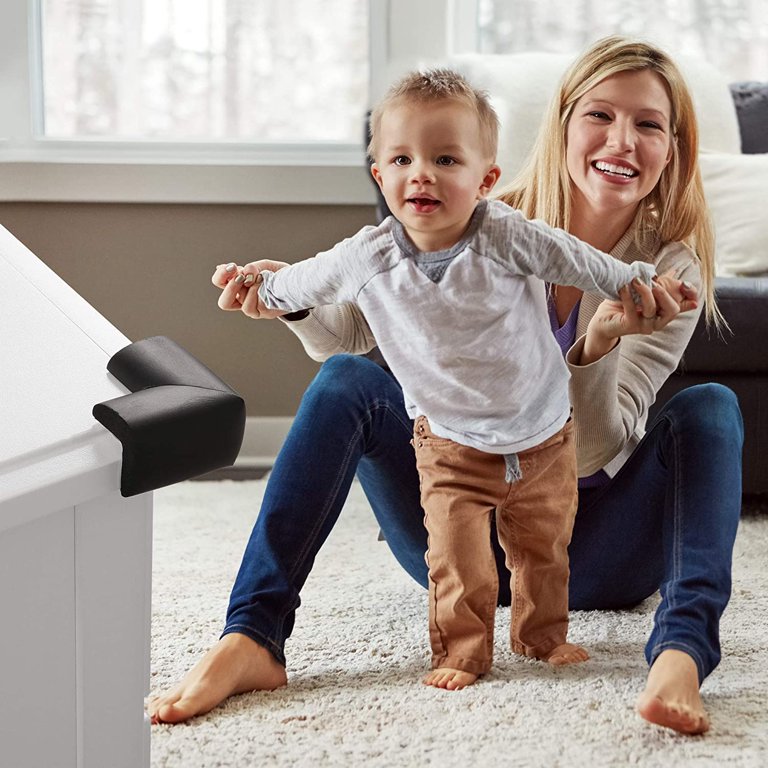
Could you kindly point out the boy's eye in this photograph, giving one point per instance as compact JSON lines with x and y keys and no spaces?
{"x":445,"y":160}
{"x":401,"y":160}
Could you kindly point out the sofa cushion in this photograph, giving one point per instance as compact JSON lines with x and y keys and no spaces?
{"x":736,"y":187}
{"x":712,"y":99}
{"x":751,"y":100}
{"x":521,"y":85}
{"x":744,"y":304}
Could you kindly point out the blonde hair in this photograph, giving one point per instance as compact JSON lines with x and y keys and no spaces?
{"x":434,"y":85}
{"x":675,"y":210}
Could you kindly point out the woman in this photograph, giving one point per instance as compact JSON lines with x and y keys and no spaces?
{"x":615,"y":164}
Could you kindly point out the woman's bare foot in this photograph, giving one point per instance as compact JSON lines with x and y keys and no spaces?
{"x":671,"y":697}
{"x":567,"y":653}
{"x":450,"y":679}
{"x":236,"y":664}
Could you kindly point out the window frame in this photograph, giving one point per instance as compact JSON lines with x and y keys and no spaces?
{"x":35,"y":168}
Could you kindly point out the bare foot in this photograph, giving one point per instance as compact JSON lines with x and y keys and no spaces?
{"x":567,"y":653}
{"x":671,"y":697}
{"x":236,"y":664}
{"x":450,"y":679}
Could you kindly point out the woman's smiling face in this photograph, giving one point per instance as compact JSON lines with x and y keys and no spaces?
{"x":618,"y":142}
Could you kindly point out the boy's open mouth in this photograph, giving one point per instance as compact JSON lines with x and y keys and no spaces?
{"x":423,"y":204}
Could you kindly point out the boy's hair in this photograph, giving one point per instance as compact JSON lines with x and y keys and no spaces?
{"x":675,"y":210}
{"x":433,"y":85}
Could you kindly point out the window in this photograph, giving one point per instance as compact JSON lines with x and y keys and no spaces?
{"x":731,"y":34}
{"x":243,"y":101}
{"x":287,"y":71}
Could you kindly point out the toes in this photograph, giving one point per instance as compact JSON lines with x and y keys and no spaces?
{"x":174,"y":712}
{"x":435,"y":679}
{"x":449,"y":679}
{"x":703,"y":725}
{"x":173,"y":709}
{"x":693,"y":722}
{"x":152,"y":704}
{"x":152,"y":707}
{"x":672,"y":715}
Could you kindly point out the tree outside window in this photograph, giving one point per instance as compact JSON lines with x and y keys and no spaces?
{"x":268,"y":71}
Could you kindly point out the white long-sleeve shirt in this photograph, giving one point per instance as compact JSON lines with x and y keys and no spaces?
{"x":465,"y":330}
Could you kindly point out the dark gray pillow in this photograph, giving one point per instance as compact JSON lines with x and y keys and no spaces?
{"x":751,"y":100}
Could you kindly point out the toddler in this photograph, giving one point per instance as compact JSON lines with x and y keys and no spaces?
{"x":452,"y":287}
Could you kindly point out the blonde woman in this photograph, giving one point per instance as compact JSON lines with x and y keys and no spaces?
{"x":659,"y":503}
{"x":616,"y":165}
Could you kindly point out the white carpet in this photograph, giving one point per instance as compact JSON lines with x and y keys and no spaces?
{"x":360,"y":647}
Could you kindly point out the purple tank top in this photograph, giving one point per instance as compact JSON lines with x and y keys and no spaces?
{"x":565,"y":336}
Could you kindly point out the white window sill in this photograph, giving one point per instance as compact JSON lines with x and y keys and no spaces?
{"x":109,"y":172}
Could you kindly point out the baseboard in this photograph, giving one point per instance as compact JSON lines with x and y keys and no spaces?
{"x":264,"y":435}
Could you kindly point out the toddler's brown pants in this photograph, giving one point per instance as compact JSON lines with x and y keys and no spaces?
{"x":461,"y":487}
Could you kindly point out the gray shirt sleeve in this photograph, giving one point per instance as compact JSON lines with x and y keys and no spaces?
{"x":554,"y":255}
{"x":332,"y":277}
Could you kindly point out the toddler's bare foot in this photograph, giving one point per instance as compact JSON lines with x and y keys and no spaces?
{"x":671,"y":697}
{"x":236,"y":664}
{"x":450,"y":679}
{"x":567,"y":653}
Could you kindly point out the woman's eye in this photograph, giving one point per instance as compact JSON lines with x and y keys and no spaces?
{"x":401,"y":160}
{"x":445,"y":160}
{"x":599,"y":115}
{"x":650,"y":124}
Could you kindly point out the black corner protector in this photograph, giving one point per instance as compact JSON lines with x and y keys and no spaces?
{"x":159,"y":360}
{"x":180,"y":421}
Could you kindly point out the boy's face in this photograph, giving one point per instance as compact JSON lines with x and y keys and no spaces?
{"x":432,"y":170}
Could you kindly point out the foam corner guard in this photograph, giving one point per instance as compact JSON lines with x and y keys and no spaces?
{"x":180,"y":420}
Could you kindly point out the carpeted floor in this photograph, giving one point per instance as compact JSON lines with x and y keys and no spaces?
{"x":360,"y":647}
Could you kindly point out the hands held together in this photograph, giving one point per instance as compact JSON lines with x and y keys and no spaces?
{"x":658,"y":305}
{"x":240,"y":288}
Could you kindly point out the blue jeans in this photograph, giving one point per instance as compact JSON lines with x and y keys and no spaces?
{"x":666,"y":521}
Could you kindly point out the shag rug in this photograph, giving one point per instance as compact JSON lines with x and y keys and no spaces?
{"x":360,"y":647}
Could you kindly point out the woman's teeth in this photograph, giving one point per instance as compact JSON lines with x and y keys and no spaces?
{"x":616,"y":170}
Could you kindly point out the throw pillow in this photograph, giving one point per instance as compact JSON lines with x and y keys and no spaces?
{"x":736,"y":187}
{"x":751,"y":101}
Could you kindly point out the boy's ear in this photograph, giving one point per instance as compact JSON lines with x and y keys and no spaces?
{"x":489,"y":181}
{"x":376,"y":173}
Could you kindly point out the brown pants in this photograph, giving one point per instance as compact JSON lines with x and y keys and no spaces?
{"x":461,"y":488}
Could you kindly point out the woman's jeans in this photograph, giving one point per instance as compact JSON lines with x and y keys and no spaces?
{"x":667,"y":521}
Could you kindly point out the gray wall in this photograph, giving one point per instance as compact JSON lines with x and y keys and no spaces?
{"x":147,"y":269}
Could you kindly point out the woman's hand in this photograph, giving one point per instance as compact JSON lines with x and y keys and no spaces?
{"x":658,"y":306}
{"x":240,"y":288}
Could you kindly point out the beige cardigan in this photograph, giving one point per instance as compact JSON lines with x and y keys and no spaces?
{"x":610,"y":397}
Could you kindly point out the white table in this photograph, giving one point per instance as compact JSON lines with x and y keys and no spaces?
{"x":75,"y":556}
